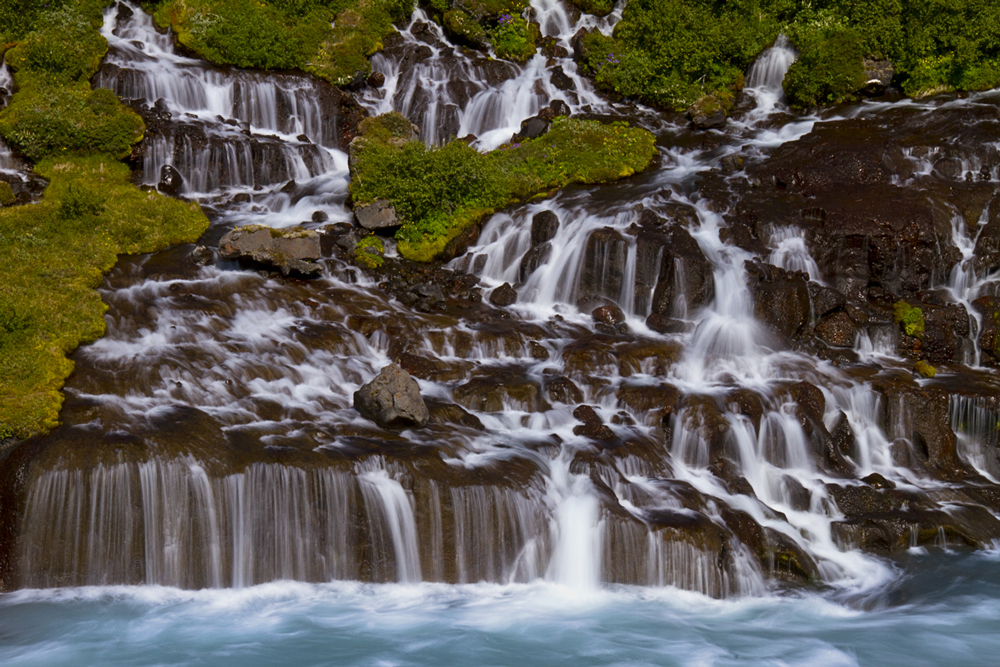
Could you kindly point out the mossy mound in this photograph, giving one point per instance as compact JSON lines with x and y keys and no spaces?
{"x":595,"y":7}
{"x":439,"y":192}
{"x":55,"y":252}
{"x":513,"y":38}
{"x":331,"y":39}
{"x":909,"y":318}
{"x":52,"y":257}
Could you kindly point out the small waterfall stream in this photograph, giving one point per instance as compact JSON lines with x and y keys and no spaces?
{"x":209,"y":438}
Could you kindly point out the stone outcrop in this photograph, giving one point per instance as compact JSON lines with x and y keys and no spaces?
{"x":392,"y":400}
{"x":292,"y":251}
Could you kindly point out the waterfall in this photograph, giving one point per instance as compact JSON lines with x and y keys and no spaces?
{"x":768,"y":72}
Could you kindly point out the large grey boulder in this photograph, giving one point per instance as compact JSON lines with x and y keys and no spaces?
{"x":392,"y":400}
{"x":291,"y":251}
{"x":377,"y":215}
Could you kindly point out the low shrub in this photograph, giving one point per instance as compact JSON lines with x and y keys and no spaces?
{"x":829,"y":69}
{"x":513,"y":38}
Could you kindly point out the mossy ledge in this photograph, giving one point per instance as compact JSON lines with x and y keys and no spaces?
{"x":54,"y":253}
{"x":438,"y":193}
{"x":331,"y":39}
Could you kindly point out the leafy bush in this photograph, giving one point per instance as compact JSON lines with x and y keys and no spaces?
{"x":6,"y":194}
{"x":439,"y":192}
{"x":65,"y":43}
{"x":829,"y":69}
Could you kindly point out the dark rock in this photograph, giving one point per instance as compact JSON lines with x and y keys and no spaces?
{"x":877,"y":481}
{"x":824,"y":299}
{"x":561,"y":80}
{"x":673,"y":277}
{"x":500,"y":389}
{"x":593,"y":426}
{"x":781,"y":298}
{"x":320,"y":216}
{"x":836,"y":329}
{"x":544,"y":226}
{"x":202,"y":256}
{"x":171,"y":182}
{"x":532,"y":259}
{"x":503,"y":296}
{"x":392,"y":400}
{"x":611,"y":315}
{"x":563,"y":390}
{"x":531,"y":128}
{"x":376,"y":79}
{"x":602,"y":269}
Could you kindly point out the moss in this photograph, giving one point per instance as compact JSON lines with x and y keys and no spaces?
{"x":6,"y":194}
{"x":829,"y":69}
{"x":286,"y":34}
{"x":369,"y":252}
{"x":55,"y":112}
{"x":924,"y":369}
{"x":439,"y":192}
{"x":909,"y":318}
{"x":52,"y":257}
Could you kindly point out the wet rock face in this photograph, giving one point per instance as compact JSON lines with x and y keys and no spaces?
{"x":392,"y":400}
{"x":673,"y":276}
{"x":291,"y":251}
{"x":781,"y":298}
{"x":171,"y":181}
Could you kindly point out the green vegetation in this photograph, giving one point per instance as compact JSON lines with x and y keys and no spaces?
{"x":925,"y":369}
{"x":286,"y":34}
{"x":670,"y":53}
{"x":52,"y":256}
{"x":464,"y":27}
{"x":911,"y":319}
{"x":55,"y":252}
{"x":440,"y":192}
{"x":6,"y":194}
{"x":369,"y":252}
{"x":514,"y":38}
{"x":596,"y":7}
{"x":830,"y":69}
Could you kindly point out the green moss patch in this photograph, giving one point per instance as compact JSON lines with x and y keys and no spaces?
{"x":911,"y":319}
{"x":369,"y":252}
{"x":52,"y":256}
{"x":439,"y":192}
{"x":286,"y":34}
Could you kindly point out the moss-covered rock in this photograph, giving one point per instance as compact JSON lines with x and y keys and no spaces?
{"x":595,"y":7}
{"x":369,"y":252}
{"x":439,"y":193}
{"x":464,"y":29}
{"x":513,"y":38}
{"x":331,"y":40}
{"x":909,"y":318}
{"x":6,"y":194}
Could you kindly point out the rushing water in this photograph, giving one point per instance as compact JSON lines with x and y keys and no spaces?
{"x":210,"y":442}
{"x":944,"y":611}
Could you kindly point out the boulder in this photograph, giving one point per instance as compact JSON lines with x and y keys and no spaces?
{"x":707,"y":113}
{"x":781,"y":298}
{"x":544,"y":226}
{"x":672,"y":277}
{"x":171,"y":182}
{"x":878,"y":76}
{"x":503,"y":296}
{"x":291,"y":251}
{"x":392,"y":400}
{"x":377,"y":215}
{"x":602,"y":270}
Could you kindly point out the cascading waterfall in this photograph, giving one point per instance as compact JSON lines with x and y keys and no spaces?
{"x":253,"y":466}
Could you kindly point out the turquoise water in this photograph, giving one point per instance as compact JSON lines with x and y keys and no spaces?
{"x":944,"y":609}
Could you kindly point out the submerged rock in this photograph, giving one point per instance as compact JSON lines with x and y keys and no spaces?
{"x":291,"y":251}
{"x":392,"y":400}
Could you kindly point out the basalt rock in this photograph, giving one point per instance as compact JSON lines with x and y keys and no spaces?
{"x":171,"y":182}
{"x":544,"y":226}
{"x":781,"y":298}
{"x":380,"y":214}
{"x":503,"y":296}
{"x":602,"y":270}
{"x":672,"y":274}
{"x":292,"y":251}
{"x":392,"y":400}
